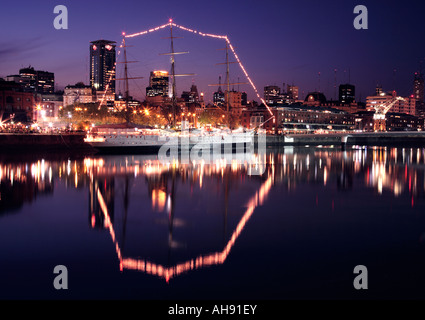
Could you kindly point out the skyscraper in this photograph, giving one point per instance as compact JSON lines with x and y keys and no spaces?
{"x":102,"y":62}
{"x":218,"y":97}
{"x":45,"y":82}
{"x":191,"y":96}
{"x":36,"y":81}
{"x":347,"y":93}
{"x":418,"y":87}
{"x":292,"y":92}
{"x":271,"y":94}
{"x":158,"y":84}
{"x":418,"y":93}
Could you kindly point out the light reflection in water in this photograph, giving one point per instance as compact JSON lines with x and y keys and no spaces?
{"x":380,"y":169}
{"x":383,"y":168}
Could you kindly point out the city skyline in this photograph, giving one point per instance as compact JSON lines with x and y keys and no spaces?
{"x":275,"y":49}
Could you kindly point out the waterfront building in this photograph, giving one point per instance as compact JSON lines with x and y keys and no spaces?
{"x":78,"y":93}
{"x":158,"y":91}
{"x":158,"y":84}
{"x":218,"y":96}
{"x":14,"y":101}
{"x":45,"y":82}
{"x":104,"y":98}
{"x":191,"y":96}
{"x":347,"y":93}
{"x":418,"y":93}
{"x":235,"y":102}
{"x":298,"y":118}
{"x":48,"y":106}
{"x":293,"y":93}
{"x":35,"y":81}
{"x":272,"y":94}
{"x":121,"y":103}
{"x":244,"y":98}
{"x":408,"y":105}
{"x":315,"y":99}
{"x":394,"y":121}
{"x":102,"y":65}
{"x":418,"y":87}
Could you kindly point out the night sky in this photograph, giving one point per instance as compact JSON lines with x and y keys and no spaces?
{"x":277,"y":41}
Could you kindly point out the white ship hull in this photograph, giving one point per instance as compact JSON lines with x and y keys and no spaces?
{"x":142,"y":142}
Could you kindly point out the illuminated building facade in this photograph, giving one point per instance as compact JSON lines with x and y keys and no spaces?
{"x":418,"y":87}
{"x":271,"y":94}
{"x":78,"y":93}
{"x":158,"y":84}
{"x":347,"y":93}
{"x":102,"y":65}
{"x":315,"y":99}
{"x":407,"y":105}
{"x":35,"y":81}
{"x":297,"y":118}
{"x":45,"y":82}
{"x":191,"y":96}
{"x":293,"y":93}
{"x":393,"y":121}
{"x":14,"y":101}
{"x":418,"y":93}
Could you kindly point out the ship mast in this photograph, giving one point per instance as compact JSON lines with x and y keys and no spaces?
{"x":127,"y":116}
{"x":173,"y":71}
{"x":173,"y":75}
{"x":228,"y":84}
{"x":227,"y":63}
{"x":125,"y":79}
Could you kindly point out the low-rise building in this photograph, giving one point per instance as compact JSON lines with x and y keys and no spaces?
{"x":394,"y":121}
{"x":15,"y":102}
{"x":406,"y":105}
{"x":297,"y":117}
{"x":79,"y":93}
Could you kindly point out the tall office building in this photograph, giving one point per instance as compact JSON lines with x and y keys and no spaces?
{"x":408,"y":105}
{"x":292,"y":92}
{"x":347,"y":93}
{"x":244,"y":98}
{"x":45,"y":82}
{"x":158,"y":84}
{"x":418,"y":94}
{"x":35,"y":81}
{"x":218,"y":96}
{"x":102,"y":62}
{"x":271,"y":94}
{"x":418,"y":87}
{"x":191,"y":96}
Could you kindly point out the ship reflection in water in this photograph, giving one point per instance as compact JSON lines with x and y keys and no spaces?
{"x":161,"y":181}
{"x":170,"y":219}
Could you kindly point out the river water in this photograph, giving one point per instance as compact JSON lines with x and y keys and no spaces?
{"x":135,"y":227}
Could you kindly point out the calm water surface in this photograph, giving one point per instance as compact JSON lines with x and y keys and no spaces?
{"x":132,"y":227}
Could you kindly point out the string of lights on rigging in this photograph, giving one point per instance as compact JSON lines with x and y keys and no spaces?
{"x":171,"y":23}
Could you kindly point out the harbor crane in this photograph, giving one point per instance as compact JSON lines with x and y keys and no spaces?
{"x":379,"y":118}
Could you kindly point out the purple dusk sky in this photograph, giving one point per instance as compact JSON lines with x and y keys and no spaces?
{"x":277,"y":41}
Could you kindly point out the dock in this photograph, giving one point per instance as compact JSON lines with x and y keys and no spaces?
{"x":28,"y":142}
{"x":398,"y":138}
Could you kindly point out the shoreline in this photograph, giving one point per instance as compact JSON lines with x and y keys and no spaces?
{"x":22,"y":143}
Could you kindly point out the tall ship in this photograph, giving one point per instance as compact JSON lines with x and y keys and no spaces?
{"x":133,"y":137}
